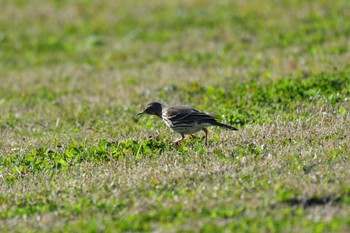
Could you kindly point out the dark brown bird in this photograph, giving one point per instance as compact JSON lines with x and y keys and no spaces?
{"x":183,"y":119}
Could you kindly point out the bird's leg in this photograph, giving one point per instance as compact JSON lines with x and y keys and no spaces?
{"x":206,"y":136}
{"x":180,"y":139}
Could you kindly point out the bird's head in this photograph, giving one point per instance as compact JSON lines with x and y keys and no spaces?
{"x":153,"y":108}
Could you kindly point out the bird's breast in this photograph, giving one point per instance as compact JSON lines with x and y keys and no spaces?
{"x":184,"y":127}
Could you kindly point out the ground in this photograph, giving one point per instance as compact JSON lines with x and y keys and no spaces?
{"x":74,"y":158}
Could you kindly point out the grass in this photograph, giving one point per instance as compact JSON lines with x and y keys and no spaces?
{"x":73,"y":156}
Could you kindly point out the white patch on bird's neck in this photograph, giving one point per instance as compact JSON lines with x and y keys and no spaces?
{"x":167,"y":122}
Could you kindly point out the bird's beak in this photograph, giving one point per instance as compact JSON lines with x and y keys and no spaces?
{"x":140,"y":113}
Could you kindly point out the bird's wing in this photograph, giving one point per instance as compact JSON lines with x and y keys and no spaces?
{"x":187,"y":114}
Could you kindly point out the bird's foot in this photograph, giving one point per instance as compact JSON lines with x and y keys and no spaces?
{"x":178,"y":141}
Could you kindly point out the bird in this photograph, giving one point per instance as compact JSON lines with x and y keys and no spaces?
{"x":183,"y":119}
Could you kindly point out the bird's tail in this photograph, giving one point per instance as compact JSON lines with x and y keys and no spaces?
{"x":224,"y":126}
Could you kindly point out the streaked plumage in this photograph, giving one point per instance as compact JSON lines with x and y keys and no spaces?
{"x":183,"y":119}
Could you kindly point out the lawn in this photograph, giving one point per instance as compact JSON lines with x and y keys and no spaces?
{"x":74,"y":158}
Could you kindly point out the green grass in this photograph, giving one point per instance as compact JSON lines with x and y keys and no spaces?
{"x":73,"y":156}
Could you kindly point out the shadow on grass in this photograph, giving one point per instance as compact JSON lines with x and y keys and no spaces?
{"x":310,"y":202}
